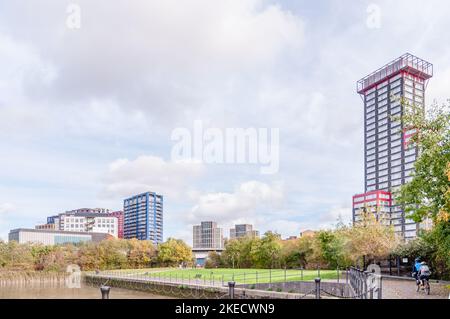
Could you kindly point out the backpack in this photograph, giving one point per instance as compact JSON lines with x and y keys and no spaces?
{"x":425,"y":270}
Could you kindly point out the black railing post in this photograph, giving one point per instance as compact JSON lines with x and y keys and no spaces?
{"x":317,"y":281}
{"x":338,"y":274}
{"x":231,"y":285}
{"x":398,"y":266}
{"x":105,"y":291}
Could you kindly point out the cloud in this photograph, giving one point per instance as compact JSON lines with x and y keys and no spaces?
{"x":245,"y":201}
{"x":6,"y":208}
{"x":164,"y":57}
{"x":126,"y":177}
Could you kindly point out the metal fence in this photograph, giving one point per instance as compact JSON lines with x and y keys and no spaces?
{"x":365,"y":284}
{"x":349,"y":284}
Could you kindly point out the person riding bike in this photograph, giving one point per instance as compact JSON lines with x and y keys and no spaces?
{"x":416,"y":269}
{"x":424,"y":272}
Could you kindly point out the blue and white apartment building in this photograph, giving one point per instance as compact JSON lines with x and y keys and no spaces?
{"x":143,"y":217}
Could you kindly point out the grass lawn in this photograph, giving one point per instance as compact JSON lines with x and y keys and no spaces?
{"x":244,"y":276}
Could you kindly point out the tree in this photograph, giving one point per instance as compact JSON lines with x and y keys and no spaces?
{"x":213,"y":260}
{"x":370,"y":238}
{"x":428,"y":195}
{"x":267,"y":253}
{"x":141,"y":253}
{"x":174,"y":252}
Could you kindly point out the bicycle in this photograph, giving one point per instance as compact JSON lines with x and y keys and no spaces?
{"x":424,"y":284}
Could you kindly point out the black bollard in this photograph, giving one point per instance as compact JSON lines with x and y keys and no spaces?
{"x":317,"y":281}
{"x":231,"y":285}
{"x":105,"y":291}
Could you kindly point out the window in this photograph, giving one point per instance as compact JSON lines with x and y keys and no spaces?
{"x":410,"y":158}
{"x":396,"y":110}
{"x":382,"y":109}
{"x":383,"y":172}
{"x":396,"y":156}
{"x":396,"y":149}
{"x":382,"y":96}
{"x":382,"y":154}
{"x":383,"y":147}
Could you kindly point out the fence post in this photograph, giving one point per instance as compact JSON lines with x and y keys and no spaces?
{"x":301,"y":273}
{"x":346,"y":276}
{"x":231,"y":285}
{"x":222,"y":280}
{"x":318,"y":271}
{"x":338,"y":274}
{"x":270,"y":277}
{"x":380,"y":288}
{"x":284,"y":274}
{"x":256,"y":278}
{"x":317,"y":281}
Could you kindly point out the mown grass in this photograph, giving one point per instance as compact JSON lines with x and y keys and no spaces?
{"x":243,"y":276}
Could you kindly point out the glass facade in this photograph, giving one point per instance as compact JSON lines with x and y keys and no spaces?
{"x":143,"y":217}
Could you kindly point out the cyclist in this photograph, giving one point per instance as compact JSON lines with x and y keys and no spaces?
{"x":424,"y":272}
{"x":416,"y":269}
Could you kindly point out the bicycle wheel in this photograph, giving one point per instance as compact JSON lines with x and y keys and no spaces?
{"x":427,"y":288}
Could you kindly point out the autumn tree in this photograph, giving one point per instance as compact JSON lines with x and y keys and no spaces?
{"x":174,"y":252}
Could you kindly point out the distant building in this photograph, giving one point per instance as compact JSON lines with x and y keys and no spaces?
{"x":208,"y":235}
{"x":243,"y":230}
{"x":83,"y":221}
{"x":291,"y":238}
{"x":120,"y":217}
{"x":89,"y":211}
{"x":307,"y":233}
{"x":46,"y":227}
{"x":54,"y":237}
{"x":143,"y":217}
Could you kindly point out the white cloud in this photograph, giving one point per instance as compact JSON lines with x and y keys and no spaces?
{"x":245,"y":201}
{"x":149,"y":173}
{"x":7,"y":208}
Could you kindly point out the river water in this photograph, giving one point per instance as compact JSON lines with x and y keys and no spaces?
{"x":62,"y":292}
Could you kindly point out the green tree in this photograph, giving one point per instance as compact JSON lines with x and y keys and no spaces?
{"x":266,"y":254}
{"x":174,"y":252}
{"x":427,"y":195}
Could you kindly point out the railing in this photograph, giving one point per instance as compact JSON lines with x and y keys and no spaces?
{"x":366,"y":285}
{"x":291,"y":284}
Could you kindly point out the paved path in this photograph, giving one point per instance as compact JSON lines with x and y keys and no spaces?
{"x":402,"y":289}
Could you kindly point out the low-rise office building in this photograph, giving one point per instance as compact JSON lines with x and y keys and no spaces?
{"x":54,"y":237}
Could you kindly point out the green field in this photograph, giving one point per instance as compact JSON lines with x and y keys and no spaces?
{"x":242,"y":276}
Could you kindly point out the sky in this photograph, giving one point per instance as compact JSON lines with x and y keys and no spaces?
{"x":92,"y":90}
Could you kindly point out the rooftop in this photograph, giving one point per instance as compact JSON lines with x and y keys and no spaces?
{"x":407,"y":63}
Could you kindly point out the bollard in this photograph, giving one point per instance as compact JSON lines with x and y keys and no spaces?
{"x":105,"y":291}
{"x":317,"y":281}
{"x":231,"y":285}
